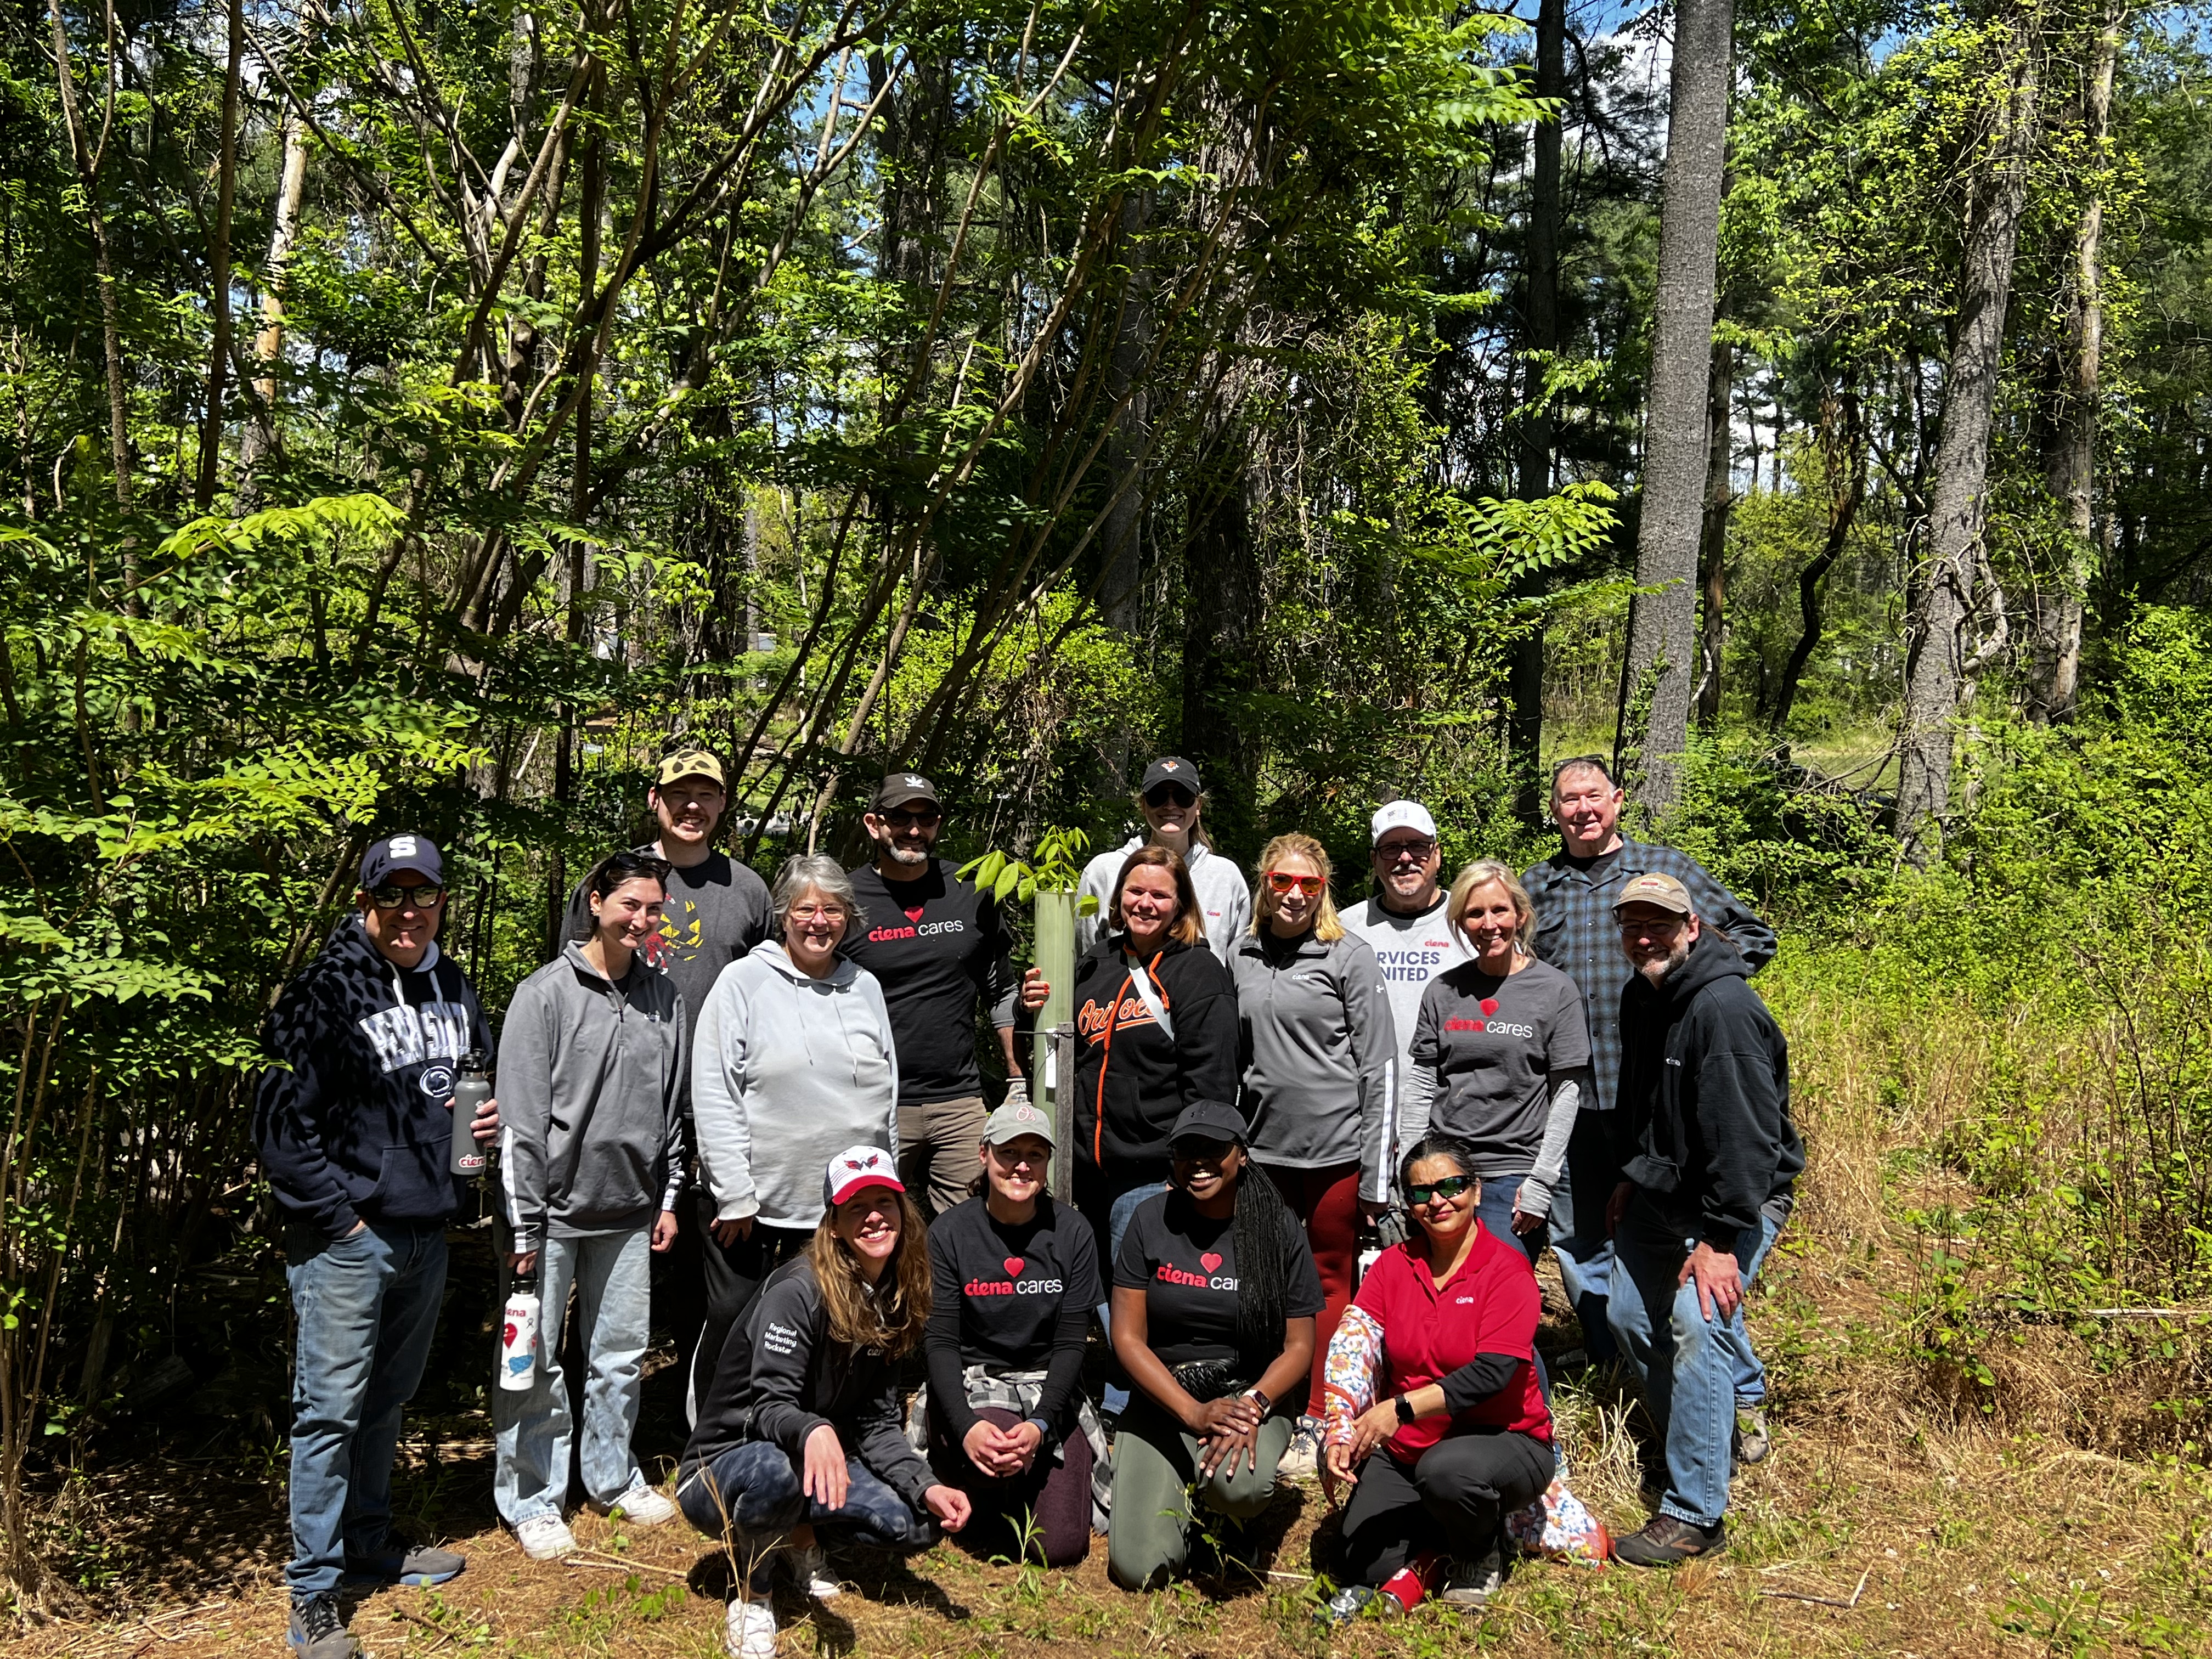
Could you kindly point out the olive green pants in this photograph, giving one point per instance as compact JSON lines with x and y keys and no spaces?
{"x":1155,"y":1463}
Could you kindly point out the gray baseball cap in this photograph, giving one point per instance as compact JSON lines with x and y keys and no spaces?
{"x":1014,"y":1120}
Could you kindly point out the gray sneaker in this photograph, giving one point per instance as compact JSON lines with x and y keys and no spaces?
{"x":1751,"y":1444}
{"x":1474,"y":1583}
{"x":398,"y":1563}
{"x":318,"y":1633}
{"x":1302,"y":1457}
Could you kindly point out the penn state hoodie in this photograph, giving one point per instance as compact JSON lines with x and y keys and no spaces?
{"x":353,"y":1121}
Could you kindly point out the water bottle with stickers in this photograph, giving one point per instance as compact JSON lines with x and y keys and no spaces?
{"x":518,"y":1337}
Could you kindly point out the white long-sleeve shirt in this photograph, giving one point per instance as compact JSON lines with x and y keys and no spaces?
{"x":1222,"y":896}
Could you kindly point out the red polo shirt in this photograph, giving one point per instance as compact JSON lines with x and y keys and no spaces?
{"x":1491,"y":1305}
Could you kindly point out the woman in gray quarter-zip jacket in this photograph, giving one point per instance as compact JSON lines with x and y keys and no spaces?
{"x":792,"y":1061}
{"x":590,"y":1060}
{"x":1320,"y":1057}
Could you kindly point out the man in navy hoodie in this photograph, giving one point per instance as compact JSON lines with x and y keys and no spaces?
{"x":354,"y":1124}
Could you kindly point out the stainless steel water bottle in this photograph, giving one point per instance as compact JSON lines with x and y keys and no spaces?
{"x":473,"y":1089}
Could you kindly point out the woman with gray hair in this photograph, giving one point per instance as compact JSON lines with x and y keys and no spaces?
{"x":1501,"y":1057}
{"x":792,"y":1059}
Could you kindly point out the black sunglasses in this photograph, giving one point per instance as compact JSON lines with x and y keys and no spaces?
{"x":391,"y":897}
{"x":1169,"y":794}
{"x":899,"y":819}
{"x":1450,"y":1186}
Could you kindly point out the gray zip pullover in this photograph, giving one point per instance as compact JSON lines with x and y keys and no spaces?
{"x":787,"y":1072}
{"x":1222,"y":896}
{"x":588,"y":1070}
{"x":1320,"y":1057}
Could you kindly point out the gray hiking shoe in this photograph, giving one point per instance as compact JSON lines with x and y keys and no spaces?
{"x":1751,"y":1444}
{"x":1471,"y":1583}
{"x":318,"y":1633}
{"x":398,"y":1562}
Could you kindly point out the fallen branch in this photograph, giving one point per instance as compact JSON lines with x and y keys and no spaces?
{"x":1822,"y":1600}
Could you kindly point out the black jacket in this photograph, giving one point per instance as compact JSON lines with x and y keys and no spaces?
{"x":1132,"y":1079}
{"x":352,"y":1121}
{"x":781,"y":1377}
{"x":1705,"y":1081}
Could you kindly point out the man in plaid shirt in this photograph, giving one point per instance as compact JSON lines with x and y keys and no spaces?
{"x":1576,"y":933}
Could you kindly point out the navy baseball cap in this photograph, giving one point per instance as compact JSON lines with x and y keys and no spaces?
{"x":1171,"y":769}
{"x":1208,"y":1120}
{"x":386,"y":858}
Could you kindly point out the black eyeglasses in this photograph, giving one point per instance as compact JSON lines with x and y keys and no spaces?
{"x":1426,"y":1191}
{"x":1170,"y":794}
{"x":1405,"y":852}
{"x":391,"y":897}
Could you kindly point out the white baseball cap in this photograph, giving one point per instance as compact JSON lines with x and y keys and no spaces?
{"x":1403,"y":815}
{"x":857,"y":1167}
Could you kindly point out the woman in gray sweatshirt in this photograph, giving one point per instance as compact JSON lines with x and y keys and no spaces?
{"x":793,"y":1059}
{"x":1320,"y":1052}
{"x":589,"y":1062}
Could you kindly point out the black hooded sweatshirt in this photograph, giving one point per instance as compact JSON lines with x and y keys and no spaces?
{"x":1705,"y":1081}
{"x":352,"y":1121}
{"x":1132,"y":1079}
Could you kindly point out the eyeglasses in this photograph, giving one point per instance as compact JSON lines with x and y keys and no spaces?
{"x":1281,"y":881}
{"x":1667,"y":929}
{"x":899,"y":820}
{"x":1405,"y":852}
{"x":1428,"y":1191}
{"x":1170,"y":794}
{"x":391,"y":896}
{"x":810,"y":912}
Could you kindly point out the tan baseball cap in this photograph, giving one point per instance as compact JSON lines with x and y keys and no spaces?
{"x":1016,"y":1119}
{"x":1654,"y":888}
{"x":691,"y":763}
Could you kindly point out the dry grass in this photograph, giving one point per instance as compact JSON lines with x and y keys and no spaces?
{"x":1906,"y":1509}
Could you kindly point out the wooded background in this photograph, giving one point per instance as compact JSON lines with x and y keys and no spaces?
{"x":423,"y":415}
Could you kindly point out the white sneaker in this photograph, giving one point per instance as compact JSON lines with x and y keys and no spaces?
{"x":544,"y":1538}
{"x":641,"y":1506}
{"x":749,"y":1631}
{"x":810,"y":1570}
{"x":1302,"y":1459}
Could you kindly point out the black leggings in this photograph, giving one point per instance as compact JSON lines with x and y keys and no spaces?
{"x":1457,"y":1494}
{"x":733,"y":1274}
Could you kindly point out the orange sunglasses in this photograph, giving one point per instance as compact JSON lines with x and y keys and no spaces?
{"x":1281,"y":881}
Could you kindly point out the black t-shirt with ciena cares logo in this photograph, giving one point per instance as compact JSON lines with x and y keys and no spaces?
{"x":1009,"y":1298}
{"x":1186,"y":1265}
{"x":936,"y":945}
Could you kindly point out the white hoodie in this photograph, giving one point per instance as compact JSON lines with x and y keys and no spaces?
{"x":787,"y":1071}
{"x":1222,"y":895}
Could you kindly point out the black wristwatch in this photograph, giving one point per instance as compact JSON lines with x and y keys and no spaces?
{"x":1405,"y":1409}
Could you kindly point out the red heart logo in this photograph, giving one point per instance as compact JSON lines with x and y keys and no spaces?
{"x":1489,"y":1004}
{"x":1013,"y":1267}
{"x":915,"y":915}
{"x":1210,"y":1260}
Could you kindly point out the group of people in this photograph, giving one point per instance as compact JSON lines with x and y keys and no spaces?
{"x":776,"y":1093}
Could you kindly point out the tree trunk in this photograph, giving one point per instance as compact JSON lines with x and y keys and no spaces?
{"x":1121,"y":588}
{"x":89,"y":158}
{"x":1713,"y":535}
{"x":226,"y":196}
{"x":1843,"y":449}
{"x":1662,"y":644}
{"x":1524,"y":729}
{"x":2070,"y":463}
{"x":1948,"y":577}
{"x":260,"y":438}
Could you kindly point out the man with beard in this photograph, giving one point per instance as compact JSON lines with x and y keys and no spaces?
{"x":1704,"y":1084}
{"x":937,"y":946}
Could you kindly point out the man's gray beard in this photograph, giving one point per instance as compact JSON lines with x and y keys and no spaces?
{"x":1658,"y":973}
{"x":905,"y":854}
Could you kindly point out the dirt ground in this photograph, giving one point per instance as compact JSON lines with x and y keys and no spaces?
{"x":1876,"y":1527}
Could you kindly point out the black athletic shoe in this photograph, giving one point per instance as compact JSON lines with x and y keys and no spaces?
{"x":1669,"y":1541}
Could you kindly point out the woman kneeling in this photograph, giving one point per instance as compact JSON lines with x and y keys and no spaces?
{"x":1214,"y":1298}
{"x":1016,"y":1276}
{"x":1459,"y":1436}
{"x":799,"y":1434}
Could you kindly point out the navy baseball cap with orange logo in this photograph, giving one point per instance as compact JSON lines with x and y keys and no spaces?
{"x":1170,"y":768}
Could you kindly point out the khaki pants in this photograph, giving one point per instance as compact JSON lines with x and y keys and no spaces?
{"x":937,"y":1158}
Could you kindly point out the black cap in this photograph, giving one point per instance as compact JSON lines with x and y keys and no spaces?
{"x":396,"y":853}
{"x":1208,"y":1120}
{"x":900,"y":787}
{"x":1171,"y":769}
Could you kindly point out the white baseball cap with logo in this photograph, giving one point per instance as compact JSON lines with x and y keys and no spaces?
{"x":857,"y":1167}
{"x":1403,"y":815}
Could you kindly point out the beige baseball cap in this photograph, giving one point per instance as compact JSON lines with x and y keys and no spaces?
{"x":691,"y":763}
{"x":1016,"y":1119}
{"x":1654,"y":888}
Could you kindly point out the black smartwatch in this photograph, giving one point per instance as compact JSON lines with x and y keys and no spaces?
{"x":1405,"y":1409}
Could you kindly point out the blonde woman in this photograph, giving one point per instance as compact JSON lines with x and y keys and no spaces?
{"x":1501,"y":1056}
{"x":1319,"y":1053}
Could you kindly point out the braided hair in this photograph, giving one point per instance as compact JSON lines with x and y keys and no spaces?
{"x":1267,"y":1236}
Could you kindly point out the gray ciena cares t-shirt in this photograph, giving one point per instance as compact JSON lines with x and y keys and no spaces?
{"x":1489,"y":1046}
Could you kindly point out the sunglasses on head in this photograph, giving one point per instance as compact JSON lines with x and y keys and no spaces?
{"x":1170,"y":794}
{"x":1426,"y":1191}
{"x":392,"y":896}
{"x":1281,"y":881}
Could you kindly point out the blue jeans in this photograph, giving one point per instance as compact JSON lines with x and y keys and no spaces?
{"x":750,"y":1495}
{"x":367,"y":1307}
{"x":1688,"y":1362}
{"x":612,"y":1277}
{"x":1112,"y":1196}
{"x":1578,"y":1235}
{"x":1495,"y":1212}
